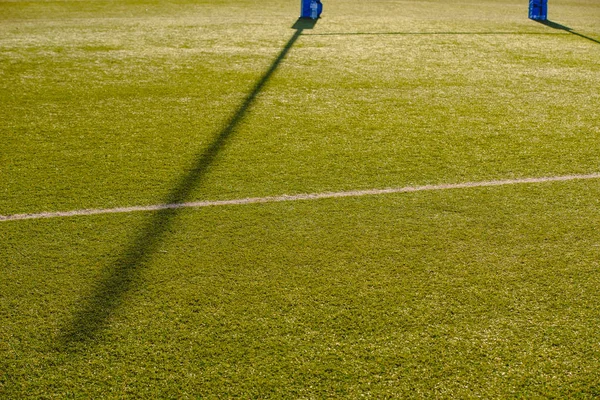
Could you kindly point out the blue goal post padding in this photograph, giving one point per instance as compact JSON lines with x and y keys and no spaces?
{"x":538,"y":10}
{"x":311,"y":9}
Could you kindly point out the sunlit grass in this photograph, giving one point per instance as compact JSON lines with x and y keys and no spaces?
{"x":487,"y":292}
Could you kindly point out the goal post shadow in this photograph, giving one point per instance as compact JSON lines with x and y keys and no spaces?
{"x":556,"y":25}
{"x":94,"y":311}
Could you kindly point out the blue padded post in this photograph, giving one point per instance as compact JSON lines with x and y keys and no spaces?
{"x":538,"y":10}
{"x":311,"y":9}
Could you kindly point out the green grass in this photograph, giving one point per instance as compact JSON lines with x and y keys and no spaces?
{"x":481,"y":292}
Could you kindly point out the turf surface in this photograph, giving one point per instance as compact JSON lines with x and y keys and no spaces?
{"x":483,"y":292}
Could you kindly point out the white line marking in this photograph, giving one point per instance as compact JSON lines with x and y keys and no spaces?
{"x":297,"y":197}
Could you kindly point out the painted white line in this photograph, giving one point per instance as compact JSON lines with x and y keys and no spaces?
{"x":297,"y":197}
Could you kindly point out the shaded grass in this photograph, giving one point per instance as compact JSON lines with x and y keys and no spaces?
{"x":92,"y":318}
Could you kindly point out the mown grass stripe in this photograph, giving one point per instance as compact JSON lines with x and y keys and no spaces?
{"x":297,"y":197}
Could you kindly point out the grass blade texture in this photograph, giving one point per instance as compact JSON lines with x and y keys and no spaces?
{"x":477,"y":291}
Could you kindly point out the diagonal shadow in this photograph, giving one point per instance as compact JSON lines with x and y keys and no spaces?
{"x":555,"y":25}
{"x":92,"y":318}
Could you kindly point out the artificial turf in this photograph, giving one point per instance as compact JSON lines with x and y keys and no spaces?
{"x":481,"y":292}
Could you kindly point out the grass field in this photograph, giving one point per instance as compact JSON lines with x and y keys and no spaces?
{"x":488,"y":292}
